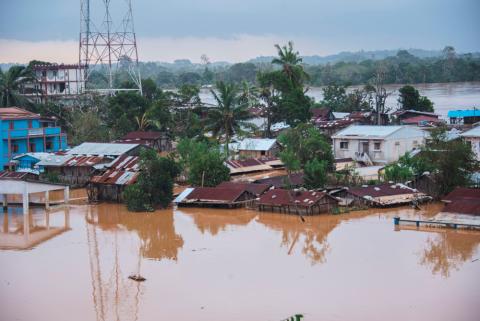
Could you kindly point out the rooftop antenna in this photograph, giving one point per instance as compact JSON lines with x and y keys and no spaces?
{"x":104,"y":46}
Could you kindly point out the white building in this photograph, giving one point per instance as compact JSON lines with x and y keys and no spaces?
{"x":60,"y":82}
{"x":472,"y":136}
{"x":377,"y":144}
{"x":256,"y":147}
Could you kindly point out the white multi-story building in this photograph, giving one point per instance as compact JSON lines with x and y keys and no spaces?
{"x":377,"y":144}
{"x":60,"y":82}
{"x":472,"y":136}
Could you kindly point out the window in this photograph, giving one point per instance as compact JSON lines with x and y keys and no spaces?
{"x":376,"y":145}
{"x":263,"y":152}
{"x":415,"y":143}
{"x":32,"y":147}
{"x":48,"y":145}
{"x":44,"y":73}
{"x":15,"y":148}
{"x":343,"y":145}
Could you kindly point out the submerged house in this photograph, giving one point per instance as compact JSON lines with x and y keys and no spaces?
{"x":159,"y":141}
{"x":111,"y":182}
{"x":215,"y":197}
{"x":297,"y":202}
{"x":464,"y":117}
{"x":282,"y":181}
{"x":380,"y":195}
{"x":256,"y":189}
{"x":377,"y":144}
{"x":463,"y":201}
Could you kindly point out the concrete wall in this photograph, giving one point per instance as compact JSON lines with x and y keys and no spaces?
{"x":475,"y":143}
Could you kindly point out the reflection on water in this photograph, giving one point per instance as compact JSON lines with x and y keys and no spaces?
{"x":446,"y":251}
{"x":20,"y":232}
{"x":214,"y":221}
{"x":258,"y":266}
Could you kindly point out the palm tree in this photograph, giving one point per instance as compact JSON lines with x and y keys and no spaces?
{"x":11,"y":83}
{"x":143,"y":122}
{"x":231,"y":114}
{"x":290,"y":61}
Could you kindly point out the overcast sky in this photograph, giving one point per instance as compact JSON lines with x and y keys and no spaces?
{"x":236,"y":30}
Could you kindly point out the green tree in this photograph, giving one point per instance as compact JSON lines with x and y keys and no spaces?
{"x":154,"y":186}
{"x":11,"y":83}
{"x":88,"y":127}
{"x":122,"y":111}
{"x":410,"y":98}
{"x":231,"y":114}
{"x":334,"y":97}
{"x":307,"y":143}
{"x":203,"y":163}
{"x":269,"y":97}
{"x":453,"y":161}
{"x":315,"y":173}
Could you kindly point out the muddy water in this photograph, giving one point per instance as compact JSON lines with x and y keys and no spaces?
{"x":205,"y":264}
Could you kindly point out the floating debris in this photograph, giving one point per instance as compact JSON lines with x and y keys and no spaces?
{"x":137,"y":278}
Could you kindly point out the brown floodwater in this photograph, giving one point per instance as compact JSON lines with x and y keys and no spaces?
{"x":203,"y":264}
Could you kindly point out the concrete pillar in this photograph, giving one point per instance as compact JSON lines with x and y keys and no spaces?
{"x":5,"y":202}
{"x":26,"y":216}
{"x":66,"y":195}
{"x":67,"y":217}
{"x":47,"y":200}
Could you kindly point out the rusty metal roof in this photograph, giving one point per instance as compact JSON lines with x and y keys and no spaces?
{"x":463,"y":200}
{"x":462,"y":193}
{"x":124,"y":170}
{"x":17,"y":113}
{"x":283,"y":197}
{"x":215,"y":195}
{"x":253,"y":188}
{"x":85,"y":161}
{"x":381,"y":190}
{"x":281,"y":181}
{"x":14,"y":175}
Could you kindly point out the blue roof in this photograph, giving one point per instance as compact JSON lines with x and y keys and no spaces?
{"x":463,"y":113}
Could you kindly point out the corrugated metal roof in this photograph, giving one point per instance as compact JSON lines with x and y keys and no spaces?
{"x":462,"y":193}
{"x":124,"y":170}
{"x":474,"y":132}
{"x":13,"y":175}
{"x":215,"y":195}
{"x":85,"y":161}
{"x":256,"y":144}
{"x":283,"y":197}
{"x":281,"y":181}
{"x":17,"y":113}
{"x":54,"y":160}
{"x":463,"y":113}
{"x":183,"y":194}
{"x":105,"y":149}
{"x":339,"y":115}
{"x":381,"y":190}
{"x":368,"y":130}
{"x":38,"y":155}
{"x":253,"y":188}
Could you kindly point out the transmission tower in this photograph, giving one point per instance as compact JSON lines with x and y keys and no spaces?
{"x":105,"y":44}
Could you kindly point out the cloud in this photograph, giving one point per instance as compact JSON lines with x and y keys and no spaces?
{"x":234,"y":49}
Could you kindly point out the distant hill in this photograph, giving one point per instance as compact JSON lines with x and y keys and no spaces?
{"x":357,"y":56}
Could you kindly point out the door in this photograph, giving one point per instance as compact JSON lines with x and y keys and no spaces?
{"x":364,"y":147}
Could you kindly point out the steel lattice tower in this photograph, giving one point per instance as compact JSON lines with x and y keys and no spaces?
{"x":109,"y":45}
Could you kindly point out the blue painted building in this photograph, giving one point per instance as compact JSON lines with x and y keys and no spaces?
{"x":468,"y":116}
{"x":23,"y":132}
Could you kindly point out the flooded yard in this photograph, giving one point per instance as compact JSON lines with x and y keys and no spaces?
{"x":203,"y":264}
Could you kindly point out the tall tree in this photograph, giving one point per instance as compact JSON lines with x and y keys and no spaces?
{"x":231,"y":114}
{"x":410,"y":98}
{"x":11,"y":83}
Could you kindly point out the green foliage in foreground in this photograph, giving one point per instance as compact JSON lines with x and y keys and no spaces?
{"x":154,"y":187}
{"x":203,"y":163}
{"x":315,"y":173}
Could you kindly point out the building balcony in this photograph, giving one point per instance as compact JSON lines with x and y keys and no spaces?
{"x":30,"y":132}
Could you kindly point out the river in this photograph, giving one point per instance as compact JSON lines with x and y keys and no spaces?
{"x":203,"y":264}
{"x":445,"y":96}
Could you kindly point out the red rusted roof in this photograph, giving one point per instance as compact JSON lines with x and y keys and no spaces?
{"x":471,"y":206}
{"x":463,"y":193}
{"x":283,"y":197}
{"x":122,"y":171}
{"x":13,"y":175}
{"x":85,"y":161}
{"x":17,"y":113}
{"x":253,"y":188}
{"x":344,"y":122}
{"x":281,"y":181}
{"x":216,"y":194}
{"x":250,"y":162}
{"x":381,"y":190}
{"x":320,"y":113}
